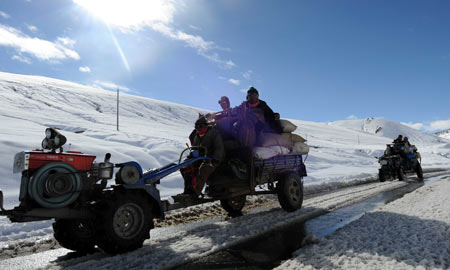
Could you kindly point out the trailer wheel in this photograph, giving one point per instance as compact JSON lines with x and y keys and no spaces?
{"x":234,"y":205}
{"x":401,"y":174}
{"x":75,"y":234}
{"x":290,"y":192}
{"x":125,"y":222}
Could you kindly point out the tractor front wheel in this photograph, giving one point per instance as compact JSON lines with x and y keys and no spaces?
{"x":75,"y":234}
{"x":125,"y":222}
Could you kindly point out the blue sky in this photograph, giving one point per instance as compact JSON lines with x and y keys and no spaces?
{"x":319,"y":60}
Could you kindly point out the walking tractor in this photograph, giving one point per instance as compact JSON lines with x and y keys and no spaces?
{"x":71,"y":188}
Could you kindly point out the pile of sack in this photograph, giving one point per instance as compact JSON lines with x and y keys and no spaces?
{"x":273,"y":144}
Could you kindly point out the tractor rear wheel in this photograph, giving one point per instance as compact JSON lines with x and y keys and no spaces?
{"x":75,"y":234}
{"x":125,"y":222}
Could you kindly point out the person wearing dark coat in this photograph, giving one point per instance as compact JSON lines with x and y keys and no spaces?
{"x":210,"y":138}
{"x":399,"y":139}
{"x":255,"y":117}
{"x":269,"y":119}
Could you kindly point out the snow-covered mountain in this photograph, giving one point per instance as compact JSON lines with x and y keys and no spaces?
{"x":444,"y":134}
{"x":386,"y":128}
{"x":154,"y":132}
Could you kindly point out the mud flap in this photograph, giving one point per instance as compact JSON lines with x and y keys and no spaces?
{"x":1,"y":201}
{"x":154,"y":194}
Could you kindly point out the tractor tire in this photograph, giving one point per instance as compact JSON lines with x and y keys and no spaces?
{"x":234,"y":205}
{"x":419,"y":172}
{"x":75,"y":234}
{"x":290,"y":192}
{"x":401,"y":174}
{"x":382,"y":177}
{"x":124,"y":223}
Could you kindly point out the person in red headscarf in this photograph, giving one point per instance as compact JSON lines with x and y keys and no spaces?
{"x":206,"y":136}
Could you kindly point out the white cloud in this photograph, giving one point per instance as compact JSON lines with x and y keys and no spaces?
{"x":84,"y":69}
{"x":195,"y":27}
{"x":440,"y":124}
{"x":245,"y":89}
{"x":111,"y":86}
{"x":66,"y":41}
{"x":32,"y":28}
{"x":39,"y":48}
{"x":432,"y":126}
{"x":202,"y":46}
{"x":21,"y":59}
{"x":233,"y":81}
{"x":247,"y":75}
{"x":418,"y":126}
{"x":4,"y":15}
{"x":352,"y":117}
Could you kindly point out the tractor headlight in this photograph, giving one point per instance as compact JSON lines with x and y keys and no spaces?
{"x":48,"y":133}
{"x":53,"y":140}
{"x":44,"y":143}
{"x":383,"y":162}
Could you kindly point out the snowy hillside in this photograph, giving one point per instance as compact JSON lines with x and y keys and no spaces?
{"x":154,"y":132}
{"x":387,"y":128}
{"x":444,"y":134}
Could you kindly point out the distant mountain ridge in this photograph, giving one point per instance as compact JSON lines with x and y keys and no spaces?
{"x":387,"y":128}
{"x":444,"y":134}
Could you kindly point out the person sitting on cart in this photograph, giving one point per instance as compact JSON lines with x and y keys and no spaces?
{"x":195,"y":177}
{"x":269,"y":119}
{"x":224,"y":119}
{"x":254,"y":117}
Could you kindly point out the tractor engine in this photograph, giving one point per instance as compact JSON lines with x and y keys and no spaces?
{"x":56,"y":180}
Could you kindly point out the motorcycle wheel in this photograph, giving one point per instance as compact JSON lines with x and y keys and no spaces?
{"x":419,"y":172}
{"x":401,"y":174}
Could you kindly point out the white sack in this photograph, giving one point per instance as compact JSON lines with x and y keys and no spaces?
{"x":268,"y":152}
{"x":293,"y":137}
{"x":274,"y":139}
{"x":287,"y":125}
{"x":301,"y":148}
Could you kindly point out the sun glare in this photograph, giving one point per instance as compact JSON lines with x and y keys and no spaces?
{"x":130,"y":14}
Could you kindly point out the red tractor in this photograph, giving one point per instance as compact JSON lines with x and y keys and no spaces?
{"x":71,"y":188}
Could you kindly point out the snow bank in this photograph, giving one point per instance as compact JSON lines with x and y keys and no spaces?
{"x":409,"y":233}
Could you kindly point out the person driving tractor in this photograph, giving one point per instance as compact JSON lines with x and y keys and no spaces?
{"x":196,"y":176}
